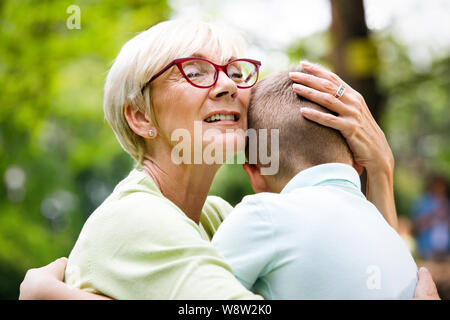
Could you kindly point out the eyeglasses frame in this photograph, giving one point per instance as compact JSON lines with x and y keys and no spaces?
{"x":180,"y":61}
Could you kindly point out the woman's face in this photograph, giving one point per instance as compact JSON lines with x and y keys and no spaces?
{"x":179,"y":105}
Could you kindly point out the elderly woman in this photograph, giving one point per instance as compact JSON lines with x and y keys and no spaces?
{"x":150,"y":239}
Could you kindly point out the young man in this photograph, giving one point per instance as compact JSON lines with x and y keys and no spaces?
{"x":309,"y":232}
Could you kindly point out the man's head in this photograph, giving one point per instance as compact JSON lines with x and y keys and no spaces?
{"x":302,"y":143}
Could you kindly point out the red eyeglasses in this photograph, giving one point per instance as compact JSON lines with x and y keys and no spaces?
{"x":202,"y":73}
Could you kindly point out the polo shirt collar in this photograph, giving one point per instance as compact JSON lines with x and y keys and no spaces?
{"x":323,"y":173}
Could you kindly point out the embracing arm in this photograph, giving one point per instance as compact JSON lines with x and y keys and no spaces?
{"x":46,"y":283}
{"x":380,"y":191}
{"x":365,"y":138}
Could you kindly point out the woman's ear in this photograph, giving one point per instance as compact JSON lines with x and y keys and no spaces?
{"x":139,"y":123}
{"x":256,"y":179}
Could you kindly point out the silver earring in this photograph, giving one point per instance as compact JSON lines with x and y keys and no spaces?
{"x":151,"y":133}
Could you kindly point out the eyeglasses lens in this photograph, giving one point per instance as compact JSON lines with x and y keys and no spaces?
{"x":243,"y":73}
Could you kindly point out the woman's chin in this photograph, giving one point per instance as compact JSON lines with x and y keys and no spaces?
{"x":222,"y":147}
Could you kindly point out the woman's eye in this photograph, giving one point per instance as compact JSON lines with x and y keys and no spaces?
{"x":193,"y":74}
{"x":236,"y":75}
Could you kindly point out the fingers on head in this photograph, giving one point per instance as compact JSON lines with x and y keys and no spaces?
{"x":321,"y":72}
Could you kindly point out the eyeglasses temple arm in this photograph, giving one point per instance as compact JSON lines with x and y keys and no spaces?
{"x":250,"y":75}
{"x":158,"y":74}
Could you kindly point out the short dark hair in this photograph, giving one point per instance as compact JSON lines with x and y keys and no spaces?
{"x":274,"y":105}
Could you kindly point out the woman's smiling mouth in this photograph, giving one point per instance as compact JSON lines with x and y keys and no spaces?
{"x":222,"y":117}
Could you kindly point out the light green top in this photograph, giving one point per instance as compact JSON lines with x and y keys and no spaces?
{"x":140,"y":245}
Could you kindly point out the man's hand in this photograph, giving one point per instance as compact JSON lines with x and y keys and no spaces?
{"x":38,"y":280}
{"x":46,"y":283}
{"x":425,"y":289}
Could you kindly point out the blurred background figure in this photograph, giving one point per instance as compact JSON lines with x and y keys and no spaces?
{"x":405,"y":230}
{"x":431,"y":220}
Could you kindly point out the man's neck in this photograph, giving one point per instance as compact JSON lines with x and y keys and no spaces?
{"x":276,"y":183}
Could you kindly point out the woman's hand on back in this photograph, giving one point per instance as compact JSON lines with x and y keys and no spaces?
{"x":36,"y":282}
{"x":46,"y":283}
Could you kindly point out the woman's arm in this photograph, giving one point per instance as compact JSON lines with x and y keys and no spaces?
{"x":46,"y":283}
{"x":365,"y":138}
{"x":380,"y":191}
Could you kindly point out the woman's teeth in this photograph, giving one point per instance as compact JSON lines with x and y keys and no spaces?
{"x":221,"y":117}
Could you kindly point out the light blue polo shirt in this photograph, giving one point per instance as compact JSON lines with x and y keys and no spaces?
{"x":318,"y":239}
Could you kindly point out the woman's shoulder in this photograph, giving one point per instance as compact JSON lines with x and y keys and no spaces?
{"x":138,"y":210}
{"x":138,"y":220}
{"x":214,"y":212}
{"x":135,"y":211}
{"x":137,"y":229}
{"x":136,"y":196}
{"x":218,"y":206}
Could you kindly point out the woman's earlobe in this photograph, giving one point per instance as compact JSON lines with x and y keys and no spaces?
{"x":152,"y":133}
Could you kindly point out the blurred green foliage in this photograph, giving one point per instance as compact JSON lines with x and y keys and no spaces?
{"x":231,"y":183}
{"x":416,"y":118}
{"x":59,"y":159}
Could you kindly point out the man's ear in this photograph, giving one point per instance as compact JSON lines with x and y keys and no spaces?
{"x":256,"y":179}
{"x":139,"y":123}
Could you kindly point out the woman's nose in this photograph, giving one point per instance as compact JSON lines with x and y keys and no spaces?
{"x":224,"y":86}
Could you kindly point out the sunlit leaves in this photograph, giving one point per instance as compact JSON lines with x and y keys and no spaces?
{"x":58,"y":157}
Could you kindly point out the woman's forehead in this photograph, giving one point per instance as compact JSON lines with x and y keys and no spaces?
{"x":216,"y":49}
{"x":216,"y":57}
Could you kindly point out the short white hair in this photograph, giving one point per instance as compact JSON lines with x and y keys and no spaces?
{"x":146,"y":54}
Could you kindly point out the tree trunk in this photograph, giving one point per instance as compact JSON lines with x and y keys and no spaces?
{"x":354,"y":55}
